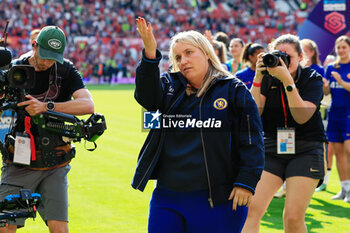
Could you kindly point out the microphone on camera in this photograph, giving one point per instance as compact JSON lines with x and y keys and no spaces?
{"x":5,"y":57}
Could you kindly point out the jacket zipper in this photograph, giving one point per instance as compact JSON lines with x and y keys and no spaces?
{"x":249,"y":134}
{"x":210,"y":199}
{"x":158,"y":148}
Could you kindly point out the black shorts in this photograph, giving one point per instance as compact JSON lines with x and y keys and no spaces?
{"x":310,"y":162}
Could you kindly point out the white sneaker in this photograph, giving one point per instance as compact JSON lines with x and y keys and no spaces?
{"x":347,"y":197}
{"x":280,"y":194}
{"x":340,"y":195}
{"x":322,"y":187}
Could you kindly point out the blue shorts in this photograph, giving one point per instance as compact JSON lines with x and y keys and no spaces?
{"x":338,"y":128}
{"x":190,"y":212}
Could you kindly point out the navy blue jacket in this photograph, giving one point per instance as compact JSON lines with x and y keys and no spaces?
{"x":234,"y":155}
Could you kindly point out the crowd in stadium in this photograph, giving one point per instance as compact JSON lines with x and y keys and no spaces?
{"x":102,"y":34}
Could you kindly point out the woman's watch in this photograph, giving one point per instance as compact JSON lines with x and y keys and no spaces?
{"x":290,"y":88}
{"x":50,"y":106}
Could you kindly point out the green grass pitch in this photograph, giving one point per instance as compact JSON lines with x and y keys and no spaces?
{"x":101,"y":199}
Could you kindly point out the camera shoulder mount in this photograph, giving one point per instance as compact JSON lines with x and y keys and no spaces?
{"x":70,"y":126}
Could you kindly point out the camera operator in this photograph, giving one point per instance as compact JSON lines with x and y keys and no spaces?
{"x":57,"y":81}
{"x":289,"y":99}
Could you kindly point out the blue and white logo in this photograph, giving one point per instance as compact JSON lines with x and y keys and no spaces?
{"x":151,"y":120}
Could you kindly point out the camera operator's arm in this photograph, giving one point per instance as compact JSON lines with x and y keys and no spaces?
{"x":81,"y":104}
{"x":301,"y":110}
{"x":256,"y":87}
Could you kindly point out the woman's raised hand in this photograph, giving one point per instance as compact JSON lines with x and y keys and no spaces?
{"x":146,"y":33}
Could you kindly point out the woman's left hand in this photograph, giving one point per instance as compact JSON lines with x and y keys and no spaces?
{"x":281,"y":72}
{"x":240,"y":197}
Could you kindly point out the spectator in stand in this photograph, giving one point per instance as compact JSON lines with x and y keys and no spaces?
{"x":338,"y":129}
{"x":249,"y":56}
{"x":288,"y":99}
{"x":236,"y":48}
{"x":97,"y":21}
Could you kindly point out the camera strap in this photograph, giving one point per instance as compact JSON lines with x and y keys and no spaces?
{"x":285,"y":136}
{"x":284,"y":106}
{"x":27,"y":126}
{"x":54,"y":86}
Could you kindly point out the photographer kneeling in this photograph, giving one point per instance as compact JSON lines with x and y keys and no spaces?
{"x":289,"y":98}
{"x":47,"y":166}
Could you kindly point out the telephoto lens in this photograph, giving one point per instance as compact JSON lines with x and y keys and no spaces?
{"x":270,"y":60}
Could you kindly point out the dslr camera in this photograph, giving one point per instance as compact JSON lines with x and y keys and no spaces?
{"x":272,"y":59}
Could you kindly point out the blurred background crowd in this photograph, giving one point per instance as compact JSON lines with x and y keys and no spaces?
{"x":102,"y":37}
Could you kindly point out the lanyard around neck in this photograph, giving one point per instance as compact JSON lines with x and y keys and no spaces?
{"x":284,"y":108}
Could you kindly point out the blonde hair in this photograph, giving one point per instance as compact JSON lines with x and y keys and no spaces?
{"x":338,"y":40}
{"x":196,"y":39}
{"x":311,"y":45}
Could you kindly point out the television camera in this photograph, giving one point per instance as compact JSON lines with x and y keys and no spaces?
{"x":16,"y":80}
{"x":22,"y":205}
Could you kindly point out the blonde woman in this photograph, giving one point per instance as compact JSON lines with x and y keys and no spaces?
{"x":206,"y":173}
{"x":338,"y":128}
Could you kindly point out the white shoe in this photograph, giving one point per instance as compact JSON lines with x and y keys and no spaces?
{"x":347,"y":197}
{"x":340,"y":195}
{"x":322,"y":187}
{"x":280,"y":194}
